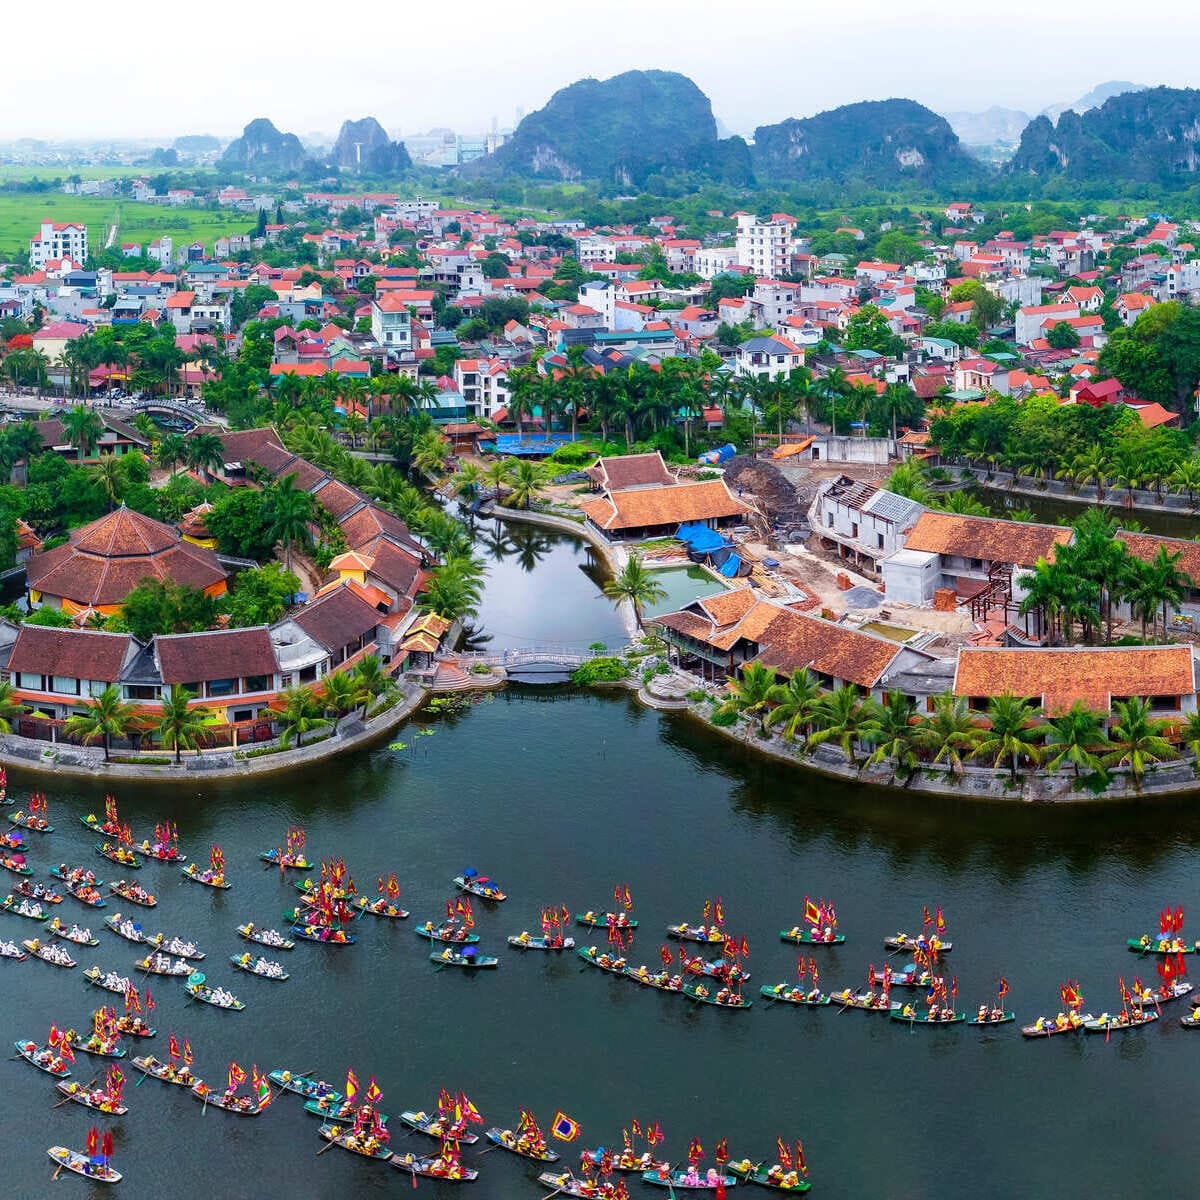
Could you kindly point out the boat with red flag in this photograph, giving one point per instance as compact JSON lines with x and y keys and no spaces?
{"x":111,"y":825}
{"x":994,"y":1013}
{"x":120,"y":854}
{"x":289,"y":857}
{"x":214,"y":877}
{"x":94,"y":1165}
{"x":230,"y":1100}
{"x":447,"y":1165}
{"x":526,"y":1141}
{"x":165,"y":847}
{"x":691,"y":1177}
{"x":168,"y":1072}
{"x":789,"y":1173}
{"x":53,"y":1057}
{"x":786,"y":993}
{"x":629,"y":1159}
{"x":105,"y":1100}
{"x":479,"y":885}
{"x":819,"y":927}
{"x":34,"y":816}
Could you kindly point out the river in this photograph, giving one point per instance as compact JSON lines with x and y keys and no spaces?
{"x":560,"y":794}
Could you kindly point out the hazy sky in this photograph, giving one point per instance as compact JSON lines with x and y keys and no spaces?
{"x":149,"y":68}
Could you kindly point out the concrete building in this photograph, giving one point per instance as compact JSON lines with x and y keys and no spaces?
{"x":57,"y":241}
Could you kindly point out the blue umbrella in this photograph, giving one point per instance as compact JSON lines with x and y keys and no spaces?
{"x":195,"y":979}
{"x":469,"y":951}
{"x":470,"y":873}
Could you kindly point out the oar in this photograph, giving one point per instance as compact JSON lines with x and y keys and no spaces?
{"x":57,"y":1173}
{"x":330,"y":1146}
{"x":68,"y":1099}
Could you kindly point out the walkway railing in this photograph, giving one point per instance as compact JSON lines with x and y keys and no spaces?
{"x":517,"y":656}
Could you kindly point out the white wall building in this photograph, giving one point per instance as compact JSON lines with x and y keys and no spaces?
{"x":56,"y":240}
{"x":766,"y":247}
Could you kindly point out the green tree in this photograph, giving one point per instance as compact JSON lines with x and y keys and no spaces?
{"x":105,"y":717}
{"x":454,"y":590}
{"x":794,"y":703}
{"x":338,"y":693}
{"x":636,"y":584}
{"x":371,"y":681}
{"x":1063,"y":336}
{"x":949,"y":733}
{"x":889,"y":728}
{"x":1138,"y":740}
{"x":1012,"y":733}
{"x":181,"y":726}
{"x":525,"y":482}
{"x":205,"y":453}
{"x":290,"y":510}
{"x":1075,"y":737}
{"x":83,"y":428}
{"x":750,"y":694}
{"x":868,"y":329}
{"x":301,"y":714}
{"x":163,"y":606}
{"x":241,"y":521}
{"x":261,"y":596}
{"x":10,"y":707}
{"x":840,"y":718}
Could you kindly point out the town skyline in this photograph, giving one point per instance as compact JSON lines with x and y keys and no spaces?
{"x":411,"y":94}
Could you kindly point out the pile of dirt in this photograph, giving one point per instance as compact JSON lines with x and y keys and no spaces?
{"x":773,"y":495}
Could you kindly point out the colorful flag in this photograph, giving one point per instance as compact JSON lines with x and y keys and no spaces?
{"x":721,"y":1152}
{"x":695,"y":1151}
{"x":636,"y":1127}
{"x":106,"y":1144}
{"x":627,"y":899}
{"x":719,"y":912}
{"x":940,"y":920}
{"x":93,"y":1141}
{"x":351,"y":1085}
{"x":187,"y":1053}
{"x":926,"y":919}
{"x":65,"y":1052}
{"x":1002,"y":990}
{"x":812,"y":914}
{"x":654,"y":1136}
{"x":173,"y":1046}
{"x":785,"y":1155}
{"x":374,"y":1092}
{"x":564,"y":1128}
{"x":236,"y":1076}
{"x":801,"y":1164}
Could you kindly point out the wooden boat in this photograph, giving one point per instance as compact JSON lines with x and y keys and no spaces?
{"x":1045,"y":1027}
{"x":81,"y":1164}
{"x":161,"y":964}
{"x":382,"y":907}
{"x":717,"y":969}
{"x":129,"y":1025}
{"x":1105,"y":1023}
{"x":626,"y":1161}
{"x":1004,"y":1018}
{"x":433,"y":1166}
{"x":689,"y":1181}
{"x":97,"y":1047}
{"x":51,"y":1063}
{"x":700,"y":993}
{"x":660,"y":981}
{"x":1148,"y":945}
{"x":525,"y":941}
{"x":367,"y":1145}
{"x":291,"y":862}
{"x":12,"y":950}
{"x":166,"y":1072}
{"x":126,"y":929}
{"x":53,"y":953}
{"x":240,"y":1106}
{"x":112,"y":828}
{"x":902,"y":941}
{"x":86,"y":893}
{"x":29,"y":890}
{"x":760,"y":1174}
{"x":176,"y":946}
{"x":867,"y":1001}
{"x":1156,"y":996}
{"x":23,"y":908}
{"x":507,"y":1140}
{"x":473,"y":962}
{"x":332,"y":937}
{"x":1192,"y":1021}
{"x":264,"y":937}
{"x":435,"y":1127}
{"x":303,"y":1085}
{"x":163,"y":854}
{"x":207,"y":995}
{"x":913,"y":1017}
{"x":481,"y":886}
{"x":213,"y":881}
{"x":76,"y":875}
{"x":339,"y":1110}
{"x":599,"y":920}
{"x":112,"y":982}
{"x":804,"y":937}
{"x":567,"y":1184}
{"x":96,"y":1100}
{"x":602,"y":960}
{"x":20,"y":820}
{"x":299,"y":916}
{"x":457,"y":935}
{"x":706,"y":935}
{"x":912,"y":976}
{"x":134,"y":893}
{"x":121,"y":855}
{"x":786,"y":994}
{"x":251,"y":968}
{"x":16,"y":866}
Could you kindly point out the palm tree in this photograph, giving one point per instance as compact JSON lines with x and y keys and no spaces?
{"x":889,"y":728}
{"x":370,"y":681}
{"x":107,"y":716}
{"x":1190,"y":736}
{"x":1186,"y":478}
{"x":526,"y":481}
{"x":204,"y":452}
{"x":181,"y":726}
{"x":497,"y":475}
{"x":832,"y":387}
{"x":897,"y":398}
{"x":300,"y":715}
{"x":83,"y":428}
{"x":430,"y":452}
{"x":107,"y":473}
{"x":1075,"y":737}
{"x":908,"y":480}
{"x":840,"y":716}
{"x":1138,"y":740}
{"x":466,"y":480}
{"x":454,"y":590}
{"x":9,"y":707}
{"x":635,"y":583}
{"x":949,"y":734}
{"x":1093,"y":466}
{"x":1171,"y":584}
{"x":290,"y":512}
{"x":1012,"y":732}
{"x":749,"y":695}
{"x":795,"y":702}
{"x":338,"y":693}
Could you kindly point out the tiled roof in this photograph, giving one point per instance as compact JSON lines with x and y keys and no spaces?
{"x":74,"y":653}
{"x":793,"y":641}
{"x":336,"y":498}
{"x":1094,"y":675}
{"x":220,"y":654}
{"x":631,"y":470}
{"x":337,"y":618}
{"x":261,"y":446}
{"x":643,"y":508}
{"x":398,"y":568}
{"x":104,"y":561}
{"x":369,"y":521}
{"x":988,"y":538}
{"x":1144,"y":546}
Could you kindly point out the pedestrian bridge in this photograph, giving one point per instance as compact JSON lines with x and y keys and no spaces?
{"x":520,"y":657}
{"x":180,"y":412}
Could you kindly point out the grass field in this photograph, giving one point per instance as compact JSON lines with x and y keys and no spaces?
{"x":20,"y":216}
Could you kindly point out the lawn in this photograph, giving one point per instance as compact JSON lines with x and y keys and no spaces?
{"x":21,"y":214}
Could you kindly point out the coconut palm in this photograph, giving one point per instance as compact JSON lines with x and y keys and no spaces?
{"x":1138,"y":740}
{"x":9,"y":707}
{"x":181,"y":726}
{"x":106,"y":717}
{"x":430,"y":452}
{"x":1075,"y":737}
{"x":1012,"y":734}
{"x":1186,"y":478}
{"x":454,"y":590}
{"x":794,"y":701}
{"x":1092,"y":466}
{"x":949,"y":733}
{"x":290,"y":512}
{"x":107,"y":474}
{"x":301,"y":714}
{"x":204,"y":452}
{"x":889,"y":728}
{"x":338,"y":693}
{"x":171,"y":451}
{"x":466,"y":480}
{"x":497,"y":475}
{"x":635,"y":583}
{"x":839,"y":717}
{"x":1190,"y":737}
{"x":751,"y":694}
{"x":83,"y":428}
{"x":525,"y":483}
{"x":371,"y":681}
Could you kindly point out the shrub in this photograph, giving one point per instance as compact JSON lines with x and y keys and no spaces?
{"x":603,"y":669}
{"x":724,"y":717}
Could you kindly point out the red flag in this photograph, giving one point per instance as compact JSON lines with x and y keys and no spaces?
{"x":745,"y":947}
{"x":54,"y":1037}
{"x":106,"y":1144}
{"x":173,"y":1046}
{"x":707,"y":910}
{"x":695,"y":1151}
{"x":1179,"y":919}
{"x":812,"y":914}
{"x":940,"y":920}
{"x":719,"y":911}
{"x":627,"y":899}
{"x":721,"y":1152}
{"x":236,"y":1076}
{"x":785,"y":1155}
{"x":636,"y":1127}
{"x":450,"y":910}
{"x":65,"y":1052}
{"x":93,"y":1141}
{"x":150,"y":1005}
{"x":374,"y":1092}
{"x":801,"y":1164}
{"x":187,"y":1053}
{"x":926,"y":919}
{"x":666,"y":956}
{"x":719,"y":1191}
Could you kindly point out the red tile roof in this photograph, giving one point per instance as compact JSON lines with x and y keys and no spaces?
{"x":73,"y":653}
{"x":220,"y":654}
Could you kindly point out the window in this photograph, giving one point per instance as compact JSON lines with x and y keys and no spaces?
{"x":141,"y":691}
{"x":879,"y":541}
{"x":257,"y":683}
{"x":26,"y":680}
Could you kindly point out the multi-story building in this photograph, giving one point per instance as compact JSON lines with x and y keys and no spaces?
{"x":391,"y":323}
{"x":765,"y":246}
{"x":57,"y":241}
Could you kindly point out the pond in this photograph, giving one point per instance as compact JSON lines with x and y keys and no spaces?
{"x":683,"y":585}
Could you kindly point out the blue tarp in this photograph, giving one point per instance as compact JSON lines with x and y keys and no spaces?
{"x":719,"y":455}
{"x":534,"y":445}
{"x":700,"y":538}
{"x":729,"y":568}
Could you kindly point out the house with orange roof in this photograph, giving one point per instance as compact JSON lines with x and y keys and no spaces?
{"x":1131,"y":305}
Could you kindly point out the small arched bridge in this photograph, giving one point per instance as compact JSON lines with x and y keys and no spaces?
{"x":519,"y":657}
{"x":176,"y":411}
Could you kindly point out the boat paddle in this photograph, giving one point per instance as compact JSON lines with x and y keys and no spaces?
{"x":68,"y":1099}
{"x":330,"y":1146}
{"x":57,"y":1173}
